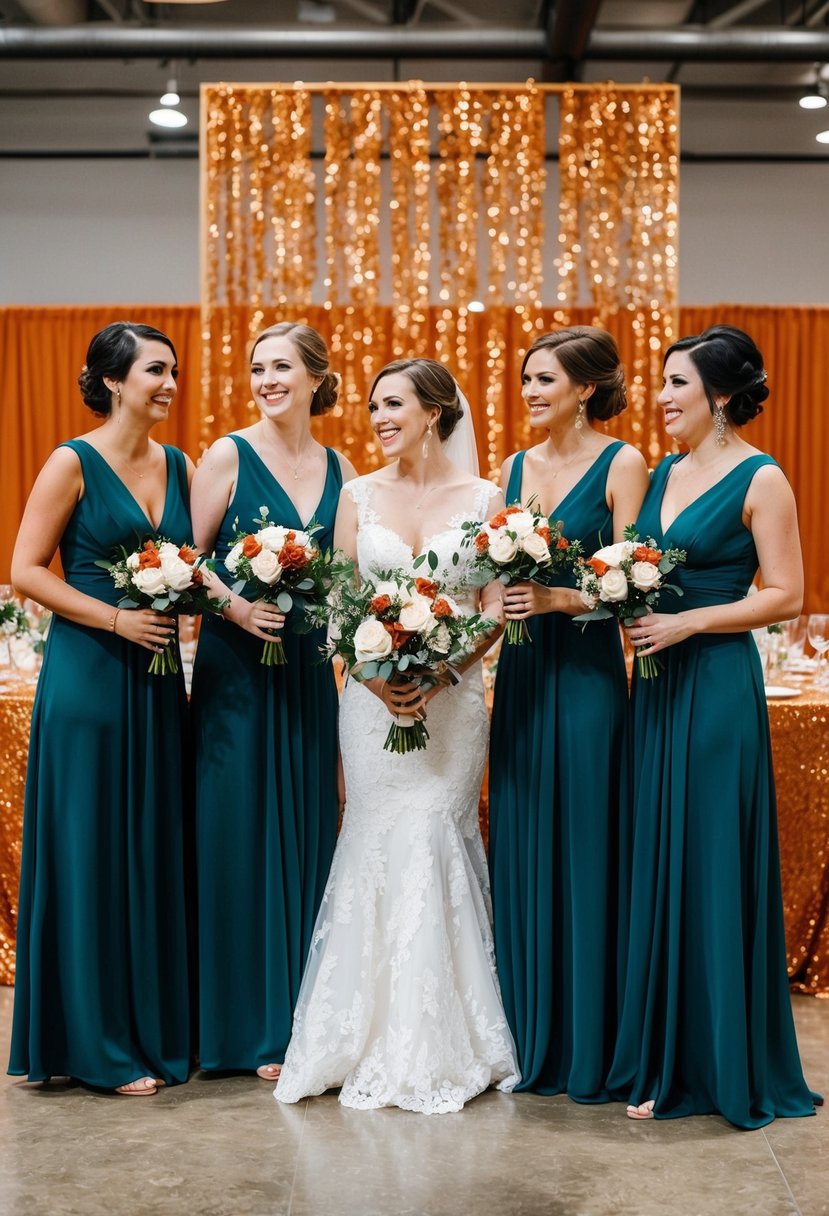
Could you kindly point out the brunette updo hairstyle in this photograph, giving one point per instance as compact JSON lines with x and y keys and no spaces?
{"x":434,"y":386}
{"x":729,"y":364}
{"x":314,"y":354}
{"x":112,"y":353}
{"x":589,"y":355}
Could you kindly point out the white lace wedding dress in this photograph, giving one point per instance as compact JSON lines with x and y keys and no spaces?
{"x":399,"y":1003}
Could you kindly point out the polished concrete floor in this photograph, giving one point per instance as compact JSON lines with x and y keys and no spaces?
{"x":226,"y":1148}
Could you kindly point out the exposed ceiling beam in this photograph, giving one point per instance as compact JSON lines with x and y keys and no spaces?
{"x":689,"y":43}
{"x":571,"y":23}
{"x":734,"y":14}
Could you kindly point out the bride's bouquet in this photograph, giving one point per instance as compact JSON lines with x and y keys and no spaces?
{"x":166,"y":577}
{"x":625,"y":580}
{"x":519,"y":544}
{"x":281,"y":565}
{"x":402,"y":629}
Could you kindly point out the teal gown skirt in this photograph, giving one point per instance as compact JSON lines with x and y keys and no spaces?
{"x":706,"y":1020}
{"x":101,"y":984}
{"x":557,"y":782}
{"x":266,"y":805}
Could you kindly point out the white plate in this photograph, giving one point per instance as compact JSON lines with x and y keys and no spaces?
{"x":780,"y":692}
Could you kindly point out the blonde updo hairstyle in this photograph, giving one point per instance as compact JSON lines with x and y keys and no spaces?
{"x":434,"y":387}
{"x":589,"y":355}
{"x":314,"y":354}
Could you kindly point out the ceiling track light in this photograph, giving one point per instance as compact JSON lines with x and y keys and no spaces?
{"x":817,"y":96}
{"x":168,"y":116}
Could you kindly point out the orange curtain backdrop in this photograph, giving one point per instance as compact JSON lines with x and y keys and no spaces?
{"x":43,"y":350}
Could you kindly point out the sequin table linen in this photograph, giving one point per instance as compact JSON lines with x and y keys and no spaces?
{"x":800,"y":741}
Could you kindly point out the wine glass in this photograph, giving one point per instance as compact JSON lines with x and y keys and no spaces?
{"x":794,"y":632}
{"x":817,"y":631}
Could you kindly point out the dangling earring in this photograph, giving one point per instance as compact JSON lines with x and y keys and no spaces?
{"x":719,"y":425}
{"x":580,"y":415}
{"x":427,"y":440}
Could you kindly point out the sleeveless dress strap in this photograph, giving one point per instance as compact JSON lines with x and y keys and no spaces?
{"x":516,"y":476}
{"x":359,"y":491}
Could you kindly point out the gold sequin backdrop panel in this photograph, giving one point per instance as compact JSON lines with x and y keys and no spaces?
{"x":461,"y":216}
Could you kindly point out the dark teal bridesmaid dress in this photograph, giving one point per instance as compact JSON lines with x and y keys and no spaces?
{"x":101,"y":987}
{"x":266,"y":802}
{"x":557,"y":763}
{"x":706,"y":1021}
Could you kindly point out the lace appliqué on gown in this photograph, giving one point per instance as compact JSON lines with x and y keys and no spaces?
{"x":400,"y":1003}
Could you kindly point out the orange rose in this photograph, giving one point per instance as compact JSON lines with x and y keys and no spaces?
{"x":197,"y":579}
{"x":188,"y":555}
{"x":397,"y":633}
{"x":441,"y":608}
{"x":498,"y":520}
{"x":290,"y":536}
{"x":380,"y":603}
{"x":643,"y":554}
{"x":598,"y":565}
{"x":426,"y":587}
{"x":251,"y":546}
{"x":562,"y":543}
{"x":544,"y":533}
{"x":482,"y":542}
{"x":291,"y":556}
{"x":148,"y":558}
{"x":513,"y":510}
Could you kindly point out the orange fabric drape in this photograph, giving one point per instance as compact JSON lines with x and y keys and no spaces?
{"x":43,"y":350}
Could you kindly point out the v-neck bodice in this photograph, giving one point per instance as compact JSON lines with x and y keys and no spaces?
{"x":256,"y":487}
{"x":108,"y":516}
{"x":583,"y":510}
{"x":722,"y":558}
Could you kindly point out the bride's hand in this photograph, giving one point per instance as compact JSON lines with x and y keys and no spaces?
{"x":256,"y":617}
{"x":407,"y":699}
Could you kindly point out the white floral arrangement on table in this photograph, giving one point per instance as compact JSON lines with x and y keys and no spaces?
{"x":404,"y":630}
{"x":625,"y":581}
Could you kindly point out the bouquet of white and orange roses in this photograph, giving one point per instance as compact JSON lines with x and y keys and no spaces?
{"x":625,"y":580}
{"x":520,"y":544}
{"x":281,"y":565}
{"x":402,"y":629}
{"x":166,"y":577}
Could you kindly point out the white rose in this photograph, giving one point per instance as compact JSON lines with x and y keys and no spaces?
{"x":167,"y":549}
{"x":536,"y":547}
{"x":9,"y":627}
{"x":501,"y":548}
{"x":132,"y":561}
{"x":612,"y":555}
{"x":371,"y":641}
{"x":521,"y":523}
{"x":272,"y":537}
{"x":265,"y":566}
{"x":441,"y":639}
{"x":389,"y":588}
{"x":232,"y":559}
{"x":151,"y":581}
{"x":416,"y":614}
{"x":178,"y":574}
{"x":302,"y":538}
{"x":613,"y":586}
{"x":645,"y":576}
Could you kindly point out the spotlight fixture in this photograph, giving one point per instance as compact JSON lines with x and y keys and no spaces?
{"x":822,"y":137}
{"x":168,"y":117}
{"x":171,"y":97}
{"x":817,"y":96}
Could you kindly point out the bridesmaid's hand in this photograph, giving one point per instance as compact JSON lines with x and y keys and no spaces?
{"x":524,"y":600}
{"x":658,"y":630}
{"x":256,"y":617}
{"x":149,"y":629}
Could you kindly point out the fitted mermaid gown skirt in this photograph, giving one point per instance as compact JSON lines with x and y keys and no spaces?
{"x":706,"y":1020}
{"x":400,"y":1003}
{"x":101,"y":987}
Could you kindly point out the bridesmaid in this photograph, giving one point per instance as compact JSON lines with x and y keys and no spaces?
{"x":557,"y":758}
{"x":266,"y":737}
{"x":706,"y":1020}
{"x":101,"y":991}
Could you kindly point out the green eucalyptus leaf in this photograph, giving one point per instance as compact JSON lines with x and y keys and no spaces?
{"x":284,"y":601}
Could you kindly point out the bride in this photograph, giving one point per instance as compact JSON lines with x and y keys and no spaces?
{"x":400,"y":1004}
